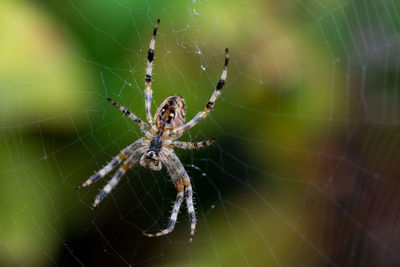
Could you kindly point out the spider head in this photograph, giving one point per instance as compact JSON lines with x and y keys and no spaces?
{"x":152,"y":160}
{"x":171,"y":112}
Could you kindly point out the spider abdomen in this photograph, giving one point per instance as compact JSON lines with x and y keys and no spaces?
{"x":171,"y":112}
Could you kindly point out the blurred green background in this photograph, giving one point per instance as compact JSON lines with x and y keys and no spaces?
{"x":305,"y":168}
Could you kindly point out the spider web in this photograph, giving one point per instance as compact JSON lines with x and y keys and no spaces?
{"x":305,"y":168}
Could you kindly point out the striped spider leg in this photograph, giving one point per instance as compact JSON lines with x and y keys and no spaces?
{"x":147,"y":91}
{"x":126,"y":165}
{"x":181,"y":180}
{"x":203,"y":114}
{"x":128,"y":156}
{"x":157,"y":146}
{"x":143,"y":126}
{"x":175,"y":167}
{"x":189,"y":145}
{"x":127,"y":151}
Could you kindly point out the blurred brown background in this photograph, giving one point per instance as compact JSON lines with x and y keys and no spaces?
{"x":306,"y":164}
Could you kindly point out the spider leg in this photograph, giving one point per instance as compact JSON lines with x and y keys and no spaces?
{"x":148,"y":92}
{"x":128,"y":163}
{"x":189,"y":145}
{"x":181,"y":179}
{"x":110,"y":166}
{"x":203,"y":114}
{"x":127,"y":112}
{"x":173,"y":165}
{"x":174,"y":216}
{"x":190,"y":208}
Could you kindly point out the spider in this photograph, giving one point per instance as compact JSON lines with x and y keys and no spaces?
{"x":156,"y":147}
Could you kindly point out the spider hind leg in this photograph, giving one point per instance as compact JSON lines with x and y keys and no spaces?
{"x":148,"y":92}
{"x":143,"y":126}
{"x":209,"y":106}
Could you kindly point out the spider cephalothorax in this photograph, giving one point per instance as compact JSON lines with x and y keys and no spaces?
{"x":169,"y":115}
{"x":156,"y":148}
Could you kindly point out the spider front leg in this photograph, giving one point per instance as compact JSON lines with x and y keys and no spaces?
{"x":190,"y":208}
{"x":147,"y":91}
{"x":203,"y":114}
{"x":132,"y":159}
{"x":172,"y":164}
{"x":190,"y":145}
{"x":182,"y":182}
{"x":110,"y":166}
{"x":175,"y":211}
{"x":173,"y":218}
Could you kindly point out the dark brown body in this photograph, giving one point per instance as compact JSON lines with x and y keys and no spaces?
{"x":169,"y":115}
{"x":171,"y":112}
